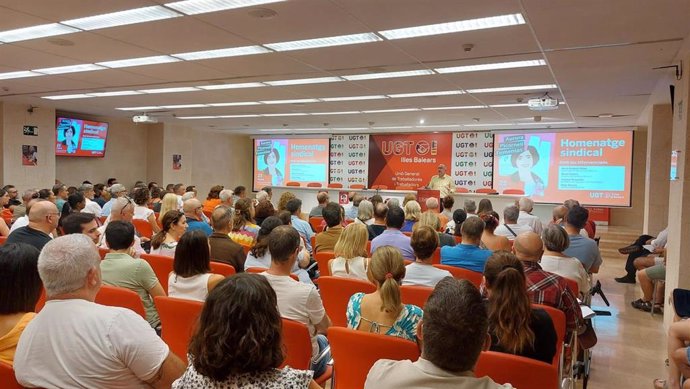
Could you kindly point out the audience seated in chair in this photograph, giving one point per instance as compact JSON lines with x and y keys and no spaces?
{"x":82,"y":223}
{"x":647,"y":276}
{"x":212,"y":199}
{"x":468,"y":254}
{"x":556,"y":240}
{"x":510,"y":227}
{"x":43,"y":220}
{"x":244,"y":218}
{"x":105,"y":336}
{"x":191,"y":278}
{"x":582,"y":248}
{"x":322,"y":198}
{"x":392,"y":236}
{"x":351,"y":256}
{"x":141,"y":198}
{"x":294,"y":206}
{"x":490,"y":240}
{"x":421,"y":272}
{"x":639,"y":257}
{"x":413,"y":211}
{"x":165,"y":241}
{"x":525,"y":218}
{"x":430,"y":219}
{"x":193,"y":212}
{"x":122,"y":210}
{"x":325,"y":241}
{"x":379,"y":224}
{"x":453,"y":226}
{"x":224,"y":249}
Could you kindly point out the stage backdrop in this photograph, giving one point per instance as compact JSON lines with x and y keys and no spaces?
{"x":472,"y":159}
{"x":349,"y":157}
{"x":407,"y":161}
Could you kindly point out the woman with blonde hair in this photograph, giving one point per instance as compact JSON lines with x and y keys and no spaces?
{"x":431,"y":219}
{"x":284,"y":198}
{"x":365,"y":212}
{"x":383,"y":312}
{"x":351,"y":259}
{"x":169,"y":203}
{"x":244,"y":218}
{"x":491,"y":241}
{"x":413,"y":211}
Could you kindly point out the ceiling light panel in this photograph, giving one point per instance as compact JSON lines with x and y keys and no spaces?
{"x":124,"y":63}
{"x":492,"y":66}
{"x":42,"y":31}
{"x":455,"y":107}
{"x":424,"y":94}
{"x":325,"y":42}
{"x":335,"y":113}
{"x":238,"y":116}
{"x":195,"y":117}
{"x":87,"y":67}
{"x":452,"y":27}
{"x":235,"y":104}
{"x":195,"y":7}
{"x":20,"y":74}
{"x":123,"y":18}
{"x":170,"y":90}
{"x":232,"y":86}
{"x":222,"y":53}
{"x":116,"y":93}
{"x":293,"y":101}
{"x":180,"y":106}
{"x":374,"y":76}
{"x":285,"y":114}
{"x":147,"y":108}
{"x":67,"y":97}
{"x":302,"y":81}
{"x":392,"y":110}
{"x":354,"y":98}
{"x":489,"y":125}
{"x":513,"y":88}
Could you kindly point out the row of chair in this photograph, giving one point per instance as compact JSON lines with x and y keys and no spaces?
{"x":337,"y":185}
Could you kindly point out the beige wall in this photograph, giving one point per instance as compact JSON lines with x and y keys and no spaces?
{"x":634,"y":216}
{"x":657,"y":181}
{"x":154,"y":154}
{"x":221,"y":159}
{"x":177,"y":140}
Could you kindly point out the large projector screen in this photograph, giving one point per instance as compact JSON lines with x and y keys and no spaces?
{"x":279,"y":161}
{"x":591,"y":167}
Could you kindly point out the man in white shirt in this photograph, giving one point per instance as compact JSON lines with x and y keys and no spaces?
{"x":76,"y":343}
{"x":296,"y":300}
{"x":91,"y":206}
{"x":445,"y":331}
{"x":526,"y":218}
{"x":510,"y":227}
{"x":24,"y":220}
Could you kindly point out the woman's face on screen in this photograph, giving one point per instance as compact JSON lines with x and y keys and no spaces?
{"x":271,"y":159}
{"x":69,"y":133}
{"x":525,"y":160}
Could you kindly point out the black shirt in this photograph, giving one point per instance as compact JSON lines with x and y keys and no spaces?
{"x":544,"y":338}
{"x":30,"y":236}
{"x":375,"y":230}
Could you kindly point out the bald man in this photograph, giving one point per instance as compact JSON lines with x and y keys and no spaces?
{"x":558,"y":214}
{"x":193,"y":211}
{"x":544,"y":287}
{"x":43,"y":219}
{"x":442,"y":182}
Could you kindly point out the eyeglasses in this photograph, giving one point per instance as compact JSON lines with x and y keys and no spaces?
{"x":129,"y":202}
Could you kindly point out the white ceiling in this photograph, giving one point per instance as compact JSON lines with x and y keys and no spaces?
{"x":600,"y":54}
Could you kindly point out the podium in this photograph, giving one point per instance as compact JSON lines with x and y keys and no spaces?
{"x":423,"y":194}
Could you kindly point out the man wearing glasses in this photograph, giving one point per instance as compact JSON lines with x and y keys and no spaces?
{"x":442,"y":182}
{"x":193,"y":211}
{"x":43,"y":219}
{"x":123,"y":210}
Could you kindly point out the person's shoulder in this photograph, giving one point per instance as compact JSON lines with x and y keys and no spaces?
{"x":412,"y":311}
{"x":288,"y":377}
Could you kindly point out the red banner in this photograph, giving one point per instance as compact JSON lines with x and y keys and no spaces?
{"x":407,"y":161}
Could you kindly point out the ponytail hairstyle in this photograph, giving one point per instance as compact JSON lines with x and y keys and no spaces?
{"x":510,"y":311}
{"x":386,"y":271}
{"x":261,"y":244}
{"x":242,"y":214}
{"x":490,"y":220}
{"x":169,"y":219}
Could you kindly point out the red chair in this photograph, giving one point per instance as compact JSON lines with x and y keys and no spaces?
{"x":336,"y":293}
{"x":162,"y":266}
{"x":143,"y":227}
{"x":2,"y":240}
{"x":41,"y":301}
{"x":355,"y":352}
{"x":292,"y":183}
{"x":297,"y":343}
{"x":460,"y":189}
{"x":415,"y":294}
{"x":335,"y":185}
{"x":179,"y":318}
{"x":572,"y":284}
{"x":356,"y":186}
{"x":207,"y":213}
{"x":222,"y":268}
{"x":463,"y":274}
{"x":315,"y":223}
{"x":558,"y":319}
{"x":258,"y":270}
{"x":520,"y":372}
{"x":436,"y":256}
{"x":102,"y":219}
{"x":245,"y":248}
{"x":458,"y":239}
{"x":102,"y":252}
{"x":379,"y":187}
{"x":314,"y":185}
{"x":312,"y":240}
{"x":514,"y":192}
{"x":486,"y":191}
{"x":120,"y":297}
{"x":7,"y":377}
{"x":322,"y":258}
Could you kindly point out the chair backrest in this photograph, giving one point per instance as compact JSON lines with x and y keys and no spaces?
{"x":458,"y":239}
{"x":2,"y":240}
{"x":520,"y":372}
{"x":436,"y":256}
{"x":297,"y":344}
{"x":314,"y":185}
{"x":322,"y":258}
{"x":558,"y":319}
{"x":486,"y":190}
{"x":357,"y":351}
{"x":335,"y":185}
{"x":292,"y":183}
{"x":179,"y":318}
{"x":143,"y":227}
{"x":461,"y":189}
{"x":336,"y":293}
{"x":312,"y":240}
{"x":102,"y":252}
{"x":514,"y":192}
{"x":223,"y":269}
{"x":463,"y":274}
{"x":120,"y":297}
{"x":257,"y":270}
{"x":356,"y":186}
{"x":208,"y":214}
{"x":7,"y":377}
{"x":379,"y":187}
{"x":574,"y":287}
{"x":162,"y":266}
{"x":245,"y":248}
{"x":415,"y":294}
{"x":41,"y":301}
{"x":315,"y":222}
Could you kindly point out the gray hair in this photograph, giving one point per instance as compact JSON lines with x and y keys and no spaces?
{"x":510,"y":214}
{"x":526,"y":204}
{"x":85,"y":188}
{"x":65,"y":262}
{"x":470,"y":206}
{"x":555,"y":238}
{"x":188,"y":195}
{"x":365,"y":210}
{"x":225,"y":195}
{"x":432,"y":203}
{"x":262,"y":195}
{"x":393,"y":203}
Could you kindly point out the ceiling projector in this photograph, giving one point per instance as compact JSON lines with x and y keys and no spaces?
{"x":544,"y":103}
{"x":144,"y":119}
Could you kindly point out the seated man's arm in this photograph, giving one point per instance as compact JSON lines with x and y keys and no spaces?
{"x":156,"y":290}
{"x":317,"y":313}
{"x":323,"y":325}
{"x":171,"y":369}
{"x":597,"y":262}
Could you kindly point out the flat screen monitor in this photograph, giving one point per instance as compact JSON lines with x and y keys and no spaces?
{"x":279,"y":161}
{"x":80,"y":138}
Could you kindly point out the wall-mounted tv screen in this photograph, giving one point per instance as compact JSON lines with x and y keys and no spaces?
{"x":80,"y":138}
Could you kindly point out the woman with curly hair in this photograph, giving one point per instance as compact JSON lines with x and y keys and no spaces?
{"x":238,"y":341}
{"x":244,"y":218}
{"x":284,"y":198}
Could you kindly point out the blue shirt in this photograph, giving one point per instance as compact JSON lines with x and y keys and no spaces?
{"x":304,"y":230}
{"x":351,"y":212}
{"x":407,"y":226}
{"x":467,"y":256}
{"x":395,"y":238}
{"x":108,"y":206}
{"x":193,"y":224}
{"x":585,"y":250}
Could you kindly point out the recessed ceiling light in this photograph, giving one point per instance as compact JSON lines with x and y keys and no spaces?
{"x":19,"y":74}
{"x":195,"y":7}
{"x":354,"y":98}
{"x":41,"y":31}
{"x":146,"y":108}
{"x":335,"y":113}
{"x":179,"y":106}
{"x":391,"y":127}
{"x":195,"y":117}
{"x":459,"y":26}
{"x":222,"y":53}
{"x":373,"y":76}
{"x":492,"y":66}
{"x":122,"y":18}
{"x":325,"y":42}
{"x":170,"y":90}
{"x":318,"y":80}
{"x":237,"y":104}
{"x":123,"y":63}
{"x":67,"y":97}
{"x":421,"y":121}
{"x":442,"y":126}
{"x":392,"y":110}
{"x":70,"y":69}
{"x":423,"y":94}
{"x":238,"y":116}
{"x":232,"y":86}
{"x":489,"y":125}
{"x":512,"y":88}
{"x":508,"y":105}
{"x":542,"y":123}
{"x":454,"y":107}
{"x":285,"y":114}
{"x":293,"y":101}
{"x":116,"y":93}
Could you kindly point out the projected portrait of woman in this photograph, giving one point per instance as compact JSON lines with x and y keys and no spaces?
{"x":271,"y":160}
{"x":524,"y":162}
{"x":70,"y":141}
